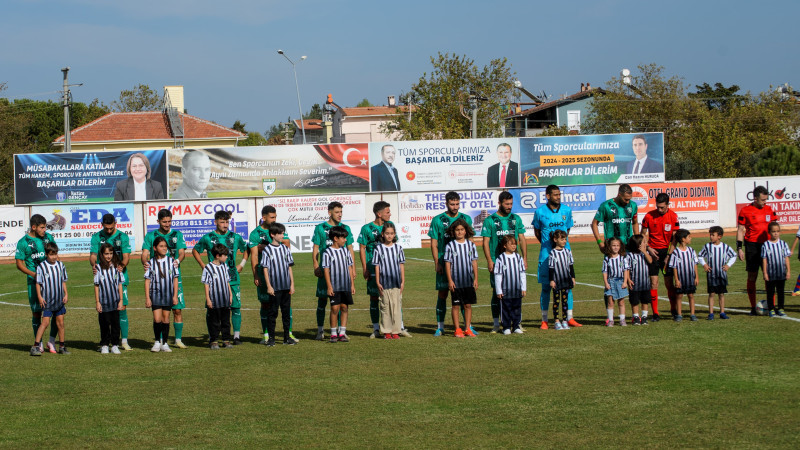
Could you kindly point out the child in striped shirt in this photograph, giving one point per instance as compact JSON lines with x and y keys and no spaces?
{"x":510,"y":284}
{"x":562,"y":277}
{"x":461,"y":269}
{"x":161,"y":292}
{"x":616,"y":277}
{"x":51,"y":289}
{"x":277,"y":263}
{"x":639,"y":261}
{"x":390,"y":275}
{"x":716,"y":258}
{"x":216,"y":281}
{"x":775,"y":263}
{"x":340,"y":275}
{"x":108,"y":298}
{"x":683,"y":262}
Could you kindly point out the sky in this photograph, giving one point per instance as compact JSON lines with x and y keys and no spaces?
{"x":225,"y":53}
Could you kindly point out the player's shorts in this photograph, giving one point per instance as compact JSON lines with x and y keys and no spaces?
{"x":322,"y":288}
{"x":657,"y":266}
{"x":372,"y":282}
{"x":617,"y":290}
{"x":543,"y":271}
{"x":33,"y":299}
{"x":181,"y":304}
{"x":441,"y":281}
{"x":236,"y":300}
{"x":124,"y":295}
{"x":718,"y":289}
{"x":59,"y":312}
{"x":464,"y":296}
{"x":341,"y":298}
{"x":162,"y":307}
{"x":691,"y":289}
{"x":752,"y":256}
{"x":637,"y":297}
{"x":261,"y":289}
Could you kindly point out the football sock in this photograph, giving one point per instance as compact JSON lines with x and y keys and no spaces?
{"x":342,"y":330}
{"x":236,"y":335}
{"x":441,"y":309}
{"x":797,"y":285}
{"x":125,"y":341}
{"x":321,"y":303}
{"x":495,"y":302}
{"x":544,"y":297}
{"x":236,"y":320}
{"x":569,"y":299}
{"x":621,"y":317}
{"x":610,"y":313}
{"x":654,"y":300}
{"x":635,"y":314}
{"x":544,"y":315}
{"x":496,"y":321}
{"x":178,"y":330}
{"x":440,"y":325}
{"x":320,"y":328}
{"x":376,"y":327}
{"x":644,"y":313}
{"x":164,"y":331}
{"x":569,"y":314}
{"x":751,"y":292}
{"x":53,"y":330}
{"x":35,"y":322}
{"x":263,"y":313}
{"x":123,"y":324}
{"x":52,"y":339}
{"x":374,"y":311}
{"x":156,"y":331}
{"x":333,"y":332}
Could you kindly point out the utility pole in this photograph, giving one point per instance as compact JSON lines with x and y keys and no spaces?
{"x":65,"y":99}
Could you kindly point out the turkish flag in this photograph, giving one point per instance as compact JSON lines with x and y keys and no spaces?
{"x":352,"y":159}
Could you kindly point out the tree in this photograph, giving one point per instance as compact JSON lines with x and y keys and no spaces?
{"x":440,"y":100}
{"x":554,"y":130}
{"x":140,"y":98}
{"x":718,"y":97}
{"x":363,"y":103}
{"x":239,"y":126}
{"x":314,"y":113}
{"x":777,"y":160}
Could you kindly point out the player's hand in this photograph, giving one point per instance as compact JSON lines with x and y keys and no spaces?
{"x":741,"y":254}
{"x":366,"y":274}
{"x":608,"y":287}
{"x":353,"y":289}
{"x":330,"y":292}
{"x":120,"y":268}
{"x":120,"y":307}
{"x":98,"y":307}
{"x":41,"y":302}
{"x":602,"y":246}
{"x":500,"y":296}
{"x":380,"y":288}
{"x":147,"y":265}
{"x":553,"y":284}
{"x":677,"y":283}
{"x":708,"y":268}
{"x":766,"y":277}
{"x":652,"y":251}
{"x":291,"y":289}
{"x":402,"y":286}
{"x":148,"y":303}
{"x":174,"y":299}
{"x":177,"y":263}
{"x":523,"y":294}
{"x":475,"y":283}
{"x":696,"y":279}
{"x":318,"y":272}
{"x":490,"y":265}
{"x":438,"y":267}
{"x":630,"y":284}
{"x":239,"y":268}
{"x":270,"y":290}
{"x":94,"y":269}
{"x":451,"y":286}
{"x":725,"y":268}
{"x":209,"y":305}
{"x":256,"y":281}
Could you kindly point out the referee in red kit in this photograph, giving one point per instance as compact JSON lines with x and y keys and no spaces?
{"x":753,"y":222}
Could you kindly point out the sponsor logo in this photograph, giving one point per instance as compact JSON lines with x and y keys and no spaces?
{"x":269,"y":185}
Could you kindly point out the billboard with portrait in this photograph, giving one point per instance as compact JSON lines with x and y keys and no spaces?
{"x":89,"y":177}
{"x":268,"y":170}
{"x":462,"y":164}
{"x":196,"y":218}
{"x":73,"y":226}
{"x":592,"y":159}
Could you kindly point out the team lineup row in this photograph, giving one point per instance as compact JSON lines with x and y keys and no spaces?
{"x":631,"y":267}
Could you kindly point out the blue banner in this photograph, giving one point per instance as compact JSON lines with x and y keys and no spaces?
{"x":72,"y":226}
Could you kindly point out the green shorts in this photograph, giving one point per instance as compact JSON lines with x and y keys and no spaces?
{"x":441,"y":282}
{"x":372,"y":282}
{"x":261,"y":289}
{"x":322,"y":288}
{"x":181,"y":304}
{"x":33,"y":299}
{"x":124,"y":295}
{"x":236,"y":301}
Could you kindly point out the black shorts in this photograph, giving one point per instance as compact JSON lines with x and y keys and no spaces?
{"x":718,"y":289}
{"x":464,"y":296}
{"x":657,"y":266}
{"x":686,"y":289}
{"x":162,"y":307}
{"x":637,"y":297}
{"x":752,"y":256}
{"x":341,"y":298}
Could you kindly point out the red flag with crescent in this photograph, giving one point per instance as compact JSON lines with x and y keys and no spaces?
{"x":352,"y":159}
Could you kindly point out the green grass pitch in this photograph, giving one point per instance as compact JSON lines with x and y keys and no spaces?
{"x":703,"y":384}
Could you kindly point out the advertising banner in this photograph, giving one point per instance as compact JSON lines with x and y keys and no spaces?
{"x":463,"y":164}
{"x":13,"y":225}
{"x":695,"y":203}
{"x":784,"y":196}
{"x":73,"y":226}
{"x":196,"y":218}
{"x":269,"y":170}
{"x":592,"y":159}
{"x":301,"y":214}
{"x":583,"y":200}
{"x":89,"y":177}
{"x":420,"y":208}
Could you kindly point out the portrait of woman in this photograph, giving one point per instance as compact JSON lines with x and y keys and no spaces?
{"x":138,"y":186}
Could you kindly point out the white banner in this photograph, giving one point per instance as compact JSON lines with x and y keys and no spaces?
{"x":784,"y":196}
{"x":195,"y":218}
{"x":420,"y":208}
{"x":13,"y":225}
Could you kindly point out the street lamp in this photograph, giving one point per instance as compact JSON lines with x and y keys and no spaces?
{"x":297,"y":86}
{"x":626,"y":80}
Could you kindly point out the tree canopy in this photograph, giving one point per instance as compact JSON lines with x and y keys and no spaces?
{"x":140,"y":98}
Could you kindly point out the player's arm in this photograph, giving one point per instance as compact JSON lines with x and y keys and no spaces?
{"x":245,"y":257}
{"x":22,"y":268}
{"x":270,"y":289}
{"x":487,"y":252}
{"x":39,"y":294}
{"x":538,"y":234}
{"x":596,"y":233}
{"x":181,"y":255}
{"x":788,"y":269}
{"x":328,"y":283}
{"x":66,"y":293}
{"x":605,"y":280}
{"x":794,"y":244}
{"x":362,"y":254}
{"x":475,"y":273}
{"x":93,"y":262}
{"x":253,"y":265}
{"x":97,"y":305}
{"x":198,"y":258}
{"x":435,"y":254}
{"x":120,"y":305}
{"x":175,"y":289}
{"x":126,"y":258}
{"x":402,"y":277}
{"x":352,"y":278}
{"x":315,"y":256}
{"x":450,"y":284}
{"x":291,"y":281}
{"x":523,"y":243}
{"x":145,"y":258}
{"x":740,"y":231}
{"x":635,"y":221}
{"x":147,"y":302}
{"x":378,"y":278}
{"x":208,"y":297}
{"x":353,"y":256}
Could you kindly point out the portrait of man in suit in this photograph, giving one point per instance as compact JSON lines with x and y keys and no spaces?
{"x":642,"y":164}
{"x":196,"y":172}
{"x":384,"y":176}
{"x":506,"y":172}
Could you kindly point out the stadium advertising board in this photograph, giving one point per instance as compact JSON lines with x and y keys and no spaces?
{"x":583,"y":200}
{"x":89,"y":177}
{"x":420,"y":208}
{"x":695,"y":203}
{"x":301,"y":214}
{"x":73,"y":226}
{"x":196,"y":218}
{"x":269,"y":170}
{"x":592,"y":159}
{"x":784,"y":196}
{"x":13,"y":225}
{"x":462,"y":164}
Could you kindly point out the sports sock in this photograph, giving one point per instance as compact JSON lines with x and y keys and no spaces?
{"x":441,"y":309}
{"x":440,"y":325}
{"x":374,"y":311}
{"x":544,"y":297}
{"x":291,"y":320}
{"x":569,"y":300}
{"x":53,"y":330}
{"x":320,"y":329}
{"x":334,"y":332}
{"x":635,"y":314}
{"x":178,"y":330}
{"x":321,"y":303}
{"x":621,"y":317}
{"x":236,"y":335}
{"x":610,"y":313}
{"x":797,"y":285}
{"x":35,"y":322}
{"x":236,"y":320}
{"x":654,"y":300}
{"x":263,"y":313}
{"x":644,"y":313}
{"x":751,"y":292}
{"x":52,"y":339}
{"x":376,"y":326}
{"x":495,"y":302}
{"x":156,"y":331}
{"x":496,"y":321}
{"x":165,"y":331}
{"x":123,"y":324}
{"x":342,"y":330}
{"x":569,"y":314}
{"x":544,"y":315}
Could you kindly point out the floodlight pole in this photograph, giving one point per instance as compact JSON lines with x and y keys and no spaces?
{"x":297,"y":86}
{"x":65,"y":99}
